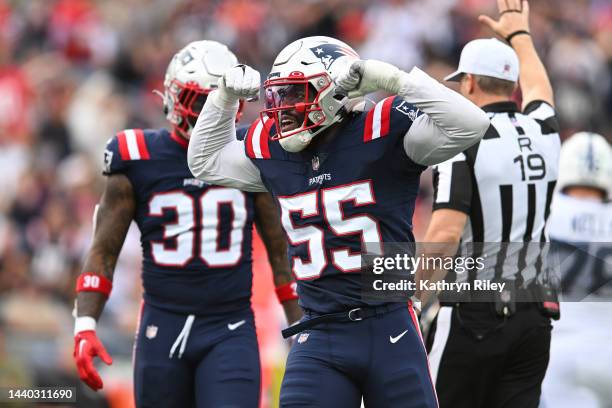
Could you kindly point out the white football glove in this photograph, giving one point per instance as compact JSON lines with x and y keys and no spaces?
{"x":240,"y":82}
{"x":367,"y":76}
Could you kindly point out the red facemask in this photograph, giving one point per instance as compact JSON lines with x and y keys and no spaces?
{"x":188,"y":105}
{"x":290,"y":102}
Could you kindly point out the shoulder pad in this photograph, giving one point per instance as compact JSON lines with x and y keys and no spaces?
{"x":378,"y":120}
{"x":125,"y":146}
{"x":258,"y":138}
{"x":392,"y":113}
{"x":132,"y":145}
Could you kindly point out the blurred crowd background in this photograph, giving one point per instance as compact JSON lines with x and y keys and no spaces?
{"x":74,"y":72}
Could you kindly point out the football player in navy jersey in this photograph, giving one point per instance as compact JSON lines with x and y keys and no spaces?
{"x":196,"y":343}
{"x":346,"y":181}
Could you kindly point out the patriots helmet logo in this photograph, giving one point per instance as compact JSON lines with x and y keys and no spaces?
{"x":328,"y":53}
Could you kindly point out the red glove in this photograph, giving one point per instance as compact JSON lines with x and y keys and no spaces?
{"x":86,"y":347}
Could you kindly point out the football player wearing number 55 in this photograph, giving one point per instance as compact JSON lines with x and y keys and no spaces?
{"x":346,"y":181}
{"x":196,"y":344}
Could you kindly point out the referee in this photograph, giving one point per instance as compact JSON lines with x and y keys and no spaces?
{"x":494,"y":353}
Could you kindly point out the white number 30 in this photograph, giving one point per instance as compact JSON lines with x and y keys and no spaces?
{"x":182,"y":229}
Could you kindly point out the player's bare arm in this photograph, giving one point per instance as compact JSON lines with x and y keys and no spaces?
{"x":268,"y":225}
{"x":513,"y":26}
{"x":441,"y":240}
{"x":112,"y":220}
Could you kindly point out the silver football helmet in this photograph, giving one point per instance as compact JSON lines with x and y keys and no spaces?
{"x":191,"y":75}
{"x":301,"y":94}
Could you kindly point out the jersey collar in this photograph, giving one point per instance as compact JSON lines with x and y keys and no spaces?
{"x":180,"y":140}
{"x":506,"y":106}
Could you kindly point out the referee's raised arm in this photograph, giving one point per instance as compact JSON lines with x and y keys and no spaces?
{"x":513,"y":26}
{"x":494,"y":199}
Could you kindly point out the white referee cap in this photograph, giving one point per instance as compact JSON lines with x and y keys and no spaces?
{"x":487,"y":57}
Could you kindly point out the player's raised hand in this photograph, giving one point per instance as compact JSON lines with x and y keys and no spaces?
{"x":241,"y":82}
{"x":350,"y":78}
{"x":86,"y":347}
{"x":513,"y":17}
{"x":366,"y":76}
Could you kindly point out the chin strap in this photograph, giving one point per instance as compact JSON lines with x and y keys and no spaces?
{"x":299,"y":141}
{"x":296,"y":143}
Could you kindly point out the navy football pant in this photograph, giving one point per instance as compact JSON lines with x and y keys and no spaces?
{"x":381,"y":359}
{"x":219,"y":366}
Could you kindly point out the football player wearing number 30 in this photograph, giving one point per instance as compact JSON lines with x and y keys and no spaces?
{"x":346,"y":181}
{"x":196,"y":344}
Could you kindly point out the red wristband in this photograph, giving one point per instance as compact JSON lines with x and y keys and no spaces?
{"x":91,"y":282}
{"x":287,"y":292}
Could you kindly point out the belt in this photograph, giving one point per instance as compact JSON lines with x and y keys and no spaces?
{"x":353,"y":315}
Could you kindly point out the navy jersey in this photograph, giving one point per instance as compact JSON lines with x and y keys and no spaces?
{"x":355,"y":192}
{"x":196,"y":239}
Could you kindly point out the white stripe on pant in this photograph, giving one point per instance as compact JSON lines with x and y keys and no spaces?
{"x":443,"y":326}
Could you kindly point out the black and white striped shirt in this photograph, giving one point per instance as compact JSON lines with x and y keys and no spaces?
{"x":505,"y":185}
